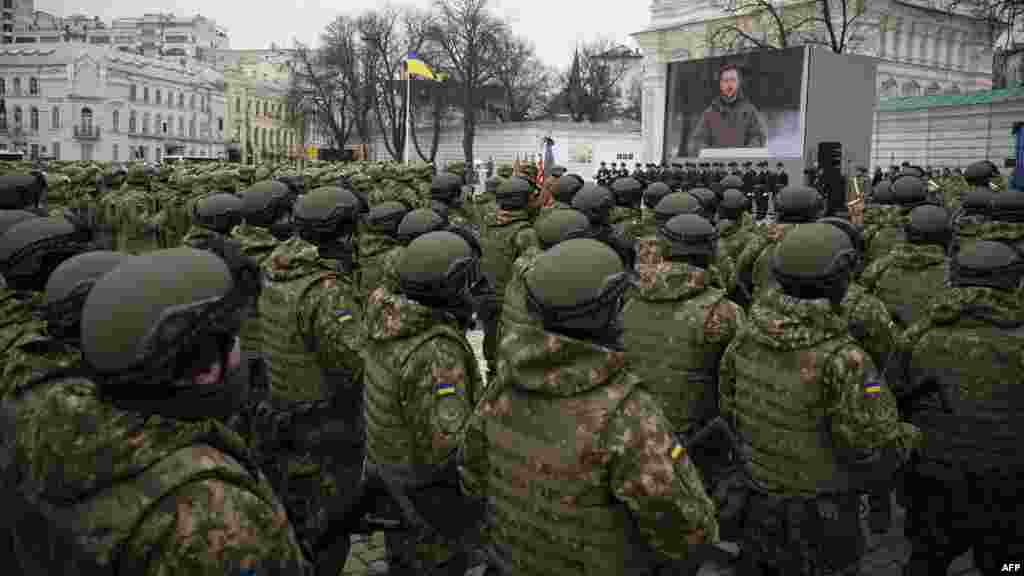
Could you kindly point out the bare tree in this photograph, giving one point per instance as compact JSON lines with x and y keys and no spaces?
{"x":761,"y":24}
{"x":591,"y":86}
{"x":524,"y":78}
{"x":634,"y":101}
{"x":1001,"y":18}
{"x":467,"y":33}
{"x":317,"y":89}
{"x":342,"y":54}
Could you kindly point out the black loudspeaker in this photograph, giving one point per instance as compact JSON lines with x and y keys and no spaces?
{"x":830,"y":159}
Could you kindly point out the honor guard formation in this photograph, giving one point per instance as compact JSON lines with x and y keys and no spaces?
{"x":221,"y":369}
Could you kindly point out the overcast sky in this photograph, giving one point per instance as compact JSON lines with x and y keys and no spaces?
{"x":553,"y":25}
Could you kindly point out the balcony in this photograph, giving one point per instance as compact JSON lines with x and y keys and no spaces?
{"x":87,"y":132}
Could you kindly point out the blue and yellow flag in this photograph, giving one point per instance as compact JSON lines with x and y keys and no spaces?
{"x":417,"y":67}
{"x":872,"y":388}
{"x":444,"y":389}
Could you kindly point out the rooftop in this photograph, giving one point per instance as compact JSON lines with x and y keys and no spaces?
{"x":922,"y":102}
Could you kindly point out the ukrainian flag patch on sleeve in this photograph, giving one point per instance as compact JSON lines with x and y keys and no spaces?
{"x":444,"y":389}
{"x":677,"y":451}
{"x":872,"y":388}
{"x":343,"y":314}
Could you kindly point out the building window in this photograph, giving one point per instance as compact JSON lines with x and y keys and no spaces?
{"x":9,"y":4}
{"x":192,"y":101}
{"x":17,"y":116}
{"x":86,"y":120}
{"x":34,"y":151}
{"x":3,"y":86}
{"x":114,"y":152}
{"x":3,"y":119}
{"x":33,"y":86}
{"x":145,"y":123}
{"x":163,"y":126}
{"x":157,"y":151}
{"x":115,"y":120}
{"x":56,"y":150}
{"x":33,"y":119}
{"x":133,"y":92}
{"x":181,"y":100}
{"x":181,"y":126}
{"x":132,"y":121}
{"x":192,"y":128}
{"x":159,"y":97}
{"x":238,"y":104}
{"x":17,"y":86}
{"x":145,"y":94}
{"x":55,"y":118}
{"x":202,"y":104}
{"x":220,"y":124}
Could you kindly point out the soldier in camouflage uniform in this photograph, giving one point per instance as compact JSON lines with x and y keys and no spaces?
{"x":677,"y":326}
{"x":151,"y":481}
{"x":908,"y":192}
{"x":881,"y":210}
{"x":379,"y":238}
{"x":964,"y":486}
{"x":128,"y":213}
{"x":568,"y":186}
{"x":446,"y":200}
{"x":564,"y":401}
{"x":551,"y":229}
{"x":29,"y":253}
{"x":625,"y":216}
{"x":708,"y":203}
{"x":509,"y":234}
{"x":1007,"y":222}
{"x":794,"y":205}
{"x":653,"y":194}
{"x":735,"y":226}
{"x":309,"y":433}
{"x":213,"y":218}
{"x":831,"y":428}
{"x":22,"y":192}
{"x":597,"y":203}
{"x":722,"y":270}
{"x":916,"y":270}
{"x":421,"y":385}
{"x":970,"y":218}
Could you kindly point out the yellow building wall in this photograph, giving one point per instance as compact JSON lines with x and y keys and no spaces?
{"x":257,"y":119}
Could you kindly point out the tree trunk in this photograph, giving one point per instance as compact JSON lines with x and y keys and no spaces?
{"x":468,"y":125}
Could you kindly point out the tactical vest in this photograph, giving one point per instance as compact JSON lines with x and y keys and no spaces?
{"x":389,"y":439}
{"x":906,"y":290}
{"x":499,"y":250}
{"x":667,"y":345}
{"x":95,"y":531}
{"x":250,"y":333}
{"x":984,"y":432}
{"x":883,"y":241}
{"x":294,"y":371}
{"x":551,"y":510}
{"x":513,"y":305}
{"x":787,"y":442}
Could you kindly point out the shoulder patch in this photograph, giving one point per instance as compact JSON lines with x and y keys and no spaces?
{"x":677,"y":451}
{"x":444,"y":389}
{"x":872,"y":388}
{"x":343,"y":314}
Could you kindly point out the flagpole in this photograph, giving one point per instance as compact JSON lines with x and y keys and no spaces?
{"x":408,"y":114}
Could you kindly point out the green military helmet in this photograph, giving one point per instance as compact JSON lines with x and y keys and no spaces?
{"x":446,"y":188}
{"x":1008,"y":206}
{"x":33,"y":248}
{"x":980,"y":173}
{"x":69,"y":285}
{"x":158,"y":318}
{"x":514,"y":194}
{"x":731,"y":181}
{"x":595,"y":202}
{"x":385,"y":217}
{"x":326,"y":214}
{"x":438,"y":269}
{"x":505,"y":170}
{"x":734,"y":204}
{"x":266,"y":202}
{"x":577,"y":288}
{"x":675,"y":204}
{"x":987,"y":264}
{"x":568,"y":186}
{"x":929,"y":224}
{"x":218,"y":212}
{"x":419,"y":222}
{"x":909,"y":190}
{"x":708,"y":202}
{"x":882,"y":194}
{"x":852,"y":232}
{"x":654,"y":193}
{"x":687,"y":235}
{"x":558,"y":171}
{"x":18,"y":191}
{"x":799,"y":204}
{"x":813,"y":261}
{"x":561,"y":225}
{"x":914,"y":171}
{"x":628,"y":191}
{"x":978,"y":202}
{"x":9,"y":218}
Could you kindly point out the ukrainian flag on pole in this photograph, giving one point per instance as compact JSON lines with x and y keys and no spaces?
{"x":416,"y":67}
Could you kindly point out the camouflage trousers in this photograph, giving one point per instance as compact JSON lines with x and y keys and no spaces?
{"x":947,"y":517}
{"x":802,"y":537}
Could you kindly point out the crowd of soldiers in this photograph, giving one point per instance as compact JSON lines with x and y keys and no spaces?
{"x":226,"y":370}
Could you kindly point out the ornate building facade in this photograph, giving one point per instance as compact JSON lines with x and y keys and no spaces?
{"x":259,"y":125}
{"x":75,"y":101}
{"x":920,"y":50}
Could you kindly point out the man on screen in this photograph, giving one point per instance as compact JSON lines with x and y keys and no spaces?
{"x":731,"y":121}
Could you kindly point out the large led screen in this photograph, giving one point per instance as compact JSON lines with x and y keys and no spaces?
{"x":741,"y":101}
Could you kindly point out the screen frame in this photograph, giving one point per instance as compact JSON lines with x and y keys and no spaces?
{"x":671,"y":71}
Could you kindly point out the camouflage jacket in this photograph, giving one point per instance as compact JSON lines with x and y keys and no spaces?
{"x":907,"y":278}
{"x":257,"y":243}
{"x":1011,"y":233}
{"x":870,"y":323}
{"x":722,"y":272}
{"x":26,"y":350}
{"x":630,"y":452}
{"x":828,"y":405}
{"x":141,"y":494}
{"x":199,"y":237}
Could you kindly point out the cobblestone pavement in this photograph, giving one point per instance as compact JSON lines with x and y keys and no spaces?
{"x":885,"y":554}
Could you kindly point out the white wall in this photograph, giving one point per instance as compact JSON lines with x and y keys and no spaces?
{"x":946,"y":135}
